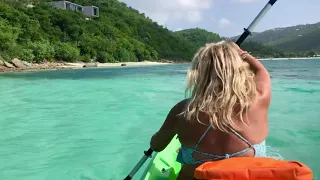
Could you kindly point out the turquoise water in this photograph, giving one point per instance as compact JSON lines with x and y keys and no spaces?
{"x":94,"y":124}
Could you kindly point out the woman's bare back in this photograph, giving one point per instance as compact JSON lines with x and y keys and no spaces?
{"x":218,"y":142}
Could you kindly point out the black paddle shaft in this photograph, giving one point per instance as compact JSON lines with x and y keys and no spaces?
{"x":247,"y":31}
{"x":147,"y":154}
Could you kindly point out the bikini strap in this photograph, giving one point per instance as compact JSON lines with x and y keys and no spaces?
{"x":241,"y":137}
{"x":204,"y":134}
{"x":236,"y":133}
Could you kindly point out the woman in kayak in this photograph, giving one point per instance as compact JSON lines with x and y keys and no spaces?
{"x":227,"y":113}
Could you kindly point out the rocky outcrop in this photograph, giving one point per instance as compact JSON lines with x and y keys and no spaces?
{"x":16,"y":62}
{"x":90,"y":65}
{"x":123,"y":64}
{"x":27,"y":63}
{"x":8,"y":65}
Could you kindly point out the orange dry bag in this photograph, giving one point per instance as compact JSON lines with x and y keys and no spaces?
{"x":253,"y":168}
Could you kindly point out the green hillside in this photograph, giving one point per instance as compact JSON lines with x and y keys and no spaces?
{"x":200,"y":37}
{"x":301,"y":38}
{"x":119,"y":34}
{"x":305,"y":42}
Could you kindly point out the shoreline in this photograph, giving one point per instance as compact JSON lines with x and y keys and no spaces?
{"x":23,"y":66}
{"x":277,"y":59}
{"x":70,"y":66}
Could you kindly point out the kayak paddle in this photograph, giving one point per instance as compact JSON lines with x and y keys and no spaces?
{"x":255,"y":22}
{"x":147,"y":154}
{"x":246,"y":33}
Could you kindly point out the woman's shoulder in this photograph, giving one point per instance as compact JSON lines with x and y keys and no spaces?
{"x":182,"y":104}
{"x":179,"y":107}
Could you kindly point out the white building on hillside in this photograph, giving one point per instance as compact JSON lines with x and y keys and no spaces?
{"x":91,"y":11}
{"x":87,"y":10}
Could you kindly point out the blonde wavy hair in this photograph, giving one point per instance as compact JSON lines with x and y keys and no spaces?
{"x":221,"y":85}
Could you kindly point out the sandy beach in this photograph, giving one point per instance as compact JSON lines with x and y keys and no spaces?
{"x":104,"y":65}
{"x":21,"y":66}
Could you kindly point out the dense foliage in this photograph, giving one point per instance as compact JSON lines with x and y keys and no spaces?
{"x":198,"y":37}
{"x":120,"y":33}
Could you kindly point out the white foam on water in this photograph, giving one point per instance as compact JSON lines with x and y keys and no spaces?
{"x":274,"y":153}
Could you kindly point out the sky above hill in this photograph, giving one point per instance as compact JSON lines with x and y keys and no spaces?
{"x":227,"y":17}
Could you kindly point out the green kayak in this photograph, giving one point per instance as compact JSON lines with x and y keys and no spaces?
{"x":163,"y":164}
